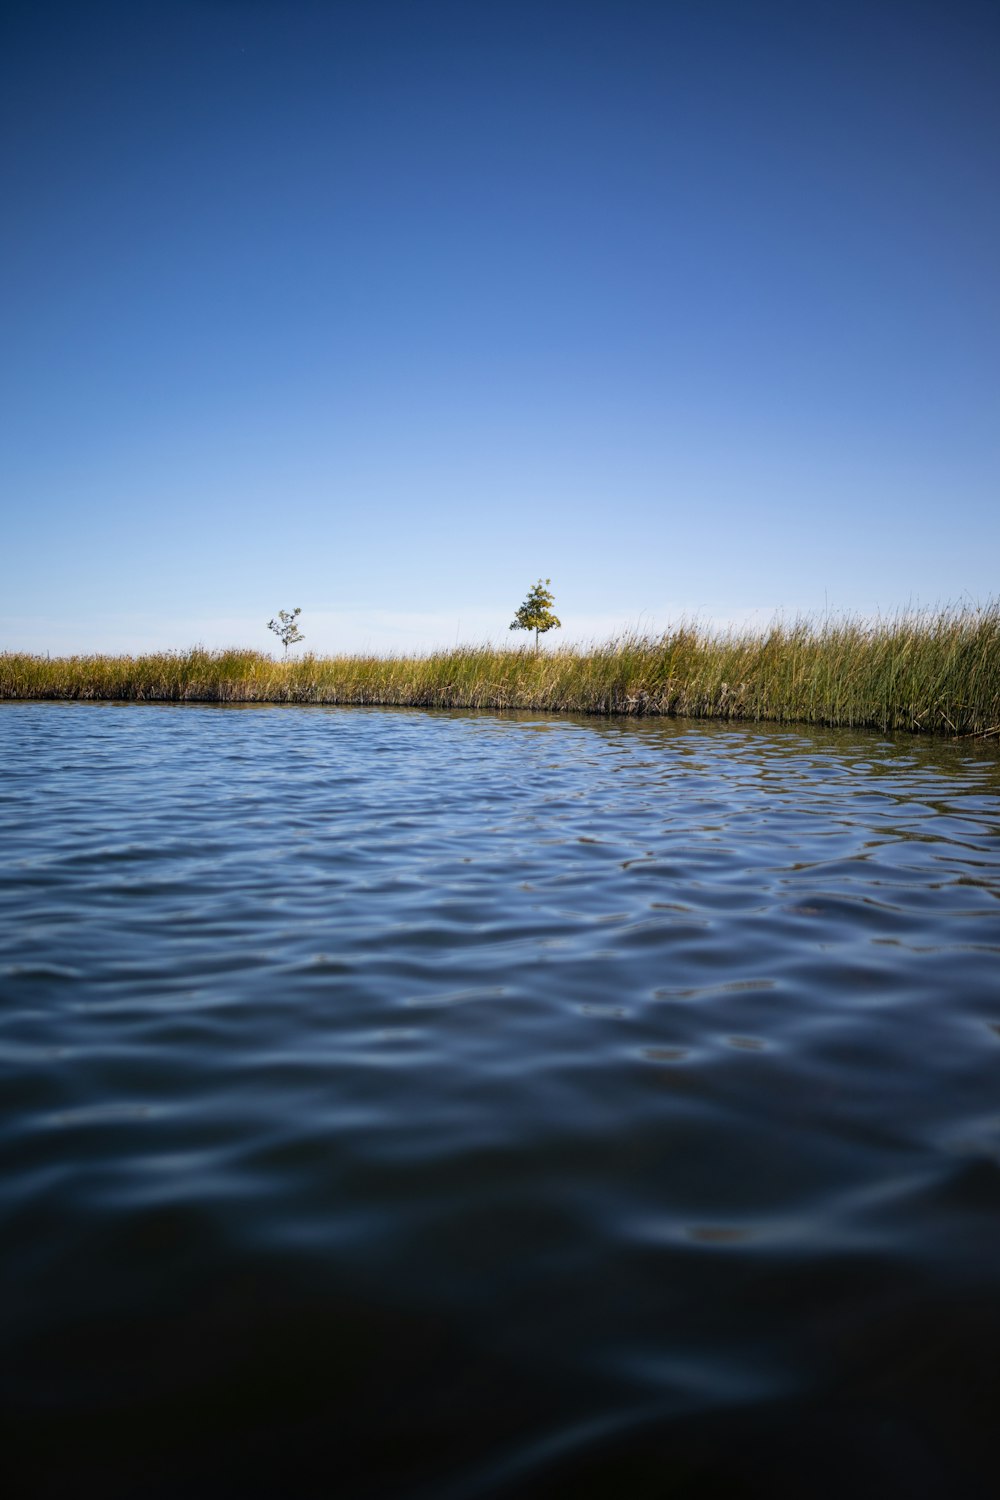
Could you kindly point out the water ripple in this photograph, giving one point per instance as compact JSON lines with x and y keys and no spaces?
{"x":492,"y":1106}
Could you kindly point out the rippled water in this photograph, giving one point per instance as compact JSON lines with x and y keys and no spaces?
{"x":450,"y":1105}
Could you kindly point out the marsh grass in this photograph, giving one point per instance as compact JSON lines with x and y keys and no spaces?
{"x":912,"y":672}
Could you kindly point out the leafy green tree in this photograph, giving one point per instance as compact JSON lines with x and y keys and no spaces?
{"x":536,"y":611}
{"x":286,"y":629}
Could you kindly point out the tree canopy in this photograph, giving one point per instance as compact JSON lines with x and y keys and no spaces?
{"x":536,"y":611}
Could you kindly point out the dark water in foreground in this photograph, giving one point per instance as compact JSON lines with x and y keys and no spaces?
{"x":438,"y":1105}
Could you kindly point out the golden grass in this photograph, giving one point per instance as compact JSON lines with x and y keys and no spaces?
{"x":913,"y":672}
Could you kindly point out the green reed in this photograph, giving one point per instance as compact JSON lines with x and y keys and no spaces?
{"x":911,"y":672}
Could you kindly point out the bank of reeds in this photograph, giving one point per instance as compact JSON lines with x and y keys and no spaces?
{"x":913,"y":672}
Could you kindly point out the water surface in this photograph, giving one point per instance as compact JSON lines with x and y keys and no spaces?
{"x":410,"y":1104}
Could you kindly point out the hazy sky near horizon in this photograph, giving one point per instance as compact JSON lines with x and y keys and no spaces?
{"x":385,"y":308}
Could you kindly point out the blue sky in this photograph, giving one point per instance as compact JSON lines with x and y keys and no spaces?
{"x":385,"y":309}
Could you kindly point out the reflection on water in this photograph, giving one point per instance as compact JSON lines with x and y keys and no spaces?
{"x":411,"y":1104}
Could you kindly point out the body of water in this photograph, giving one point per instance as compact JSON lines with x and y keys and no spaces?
{"x":409,"y":1104}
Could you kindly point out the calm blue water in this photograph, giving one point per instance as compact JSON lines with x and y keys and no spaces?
{"x":409,"y":1104}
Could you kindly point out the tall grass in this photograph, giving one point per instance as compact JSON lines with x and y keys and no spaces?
{"x":912,"y":672}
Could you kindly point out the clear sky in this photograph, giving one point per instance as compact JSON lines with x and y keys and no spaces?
{"x":385,"y":308}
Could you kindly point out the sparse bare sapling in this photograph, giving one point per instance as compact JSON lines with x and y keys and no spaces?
{"x":536,"y":611}
{"x":286,"y":629}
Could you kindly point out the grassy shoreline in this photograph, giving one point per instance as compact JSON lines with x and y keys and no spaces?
{"x":925,"y":674}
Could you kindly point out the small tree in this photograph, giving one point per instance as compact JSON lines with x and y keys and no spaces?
{"x":536,"y":611}
{"x":286,"y":629}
